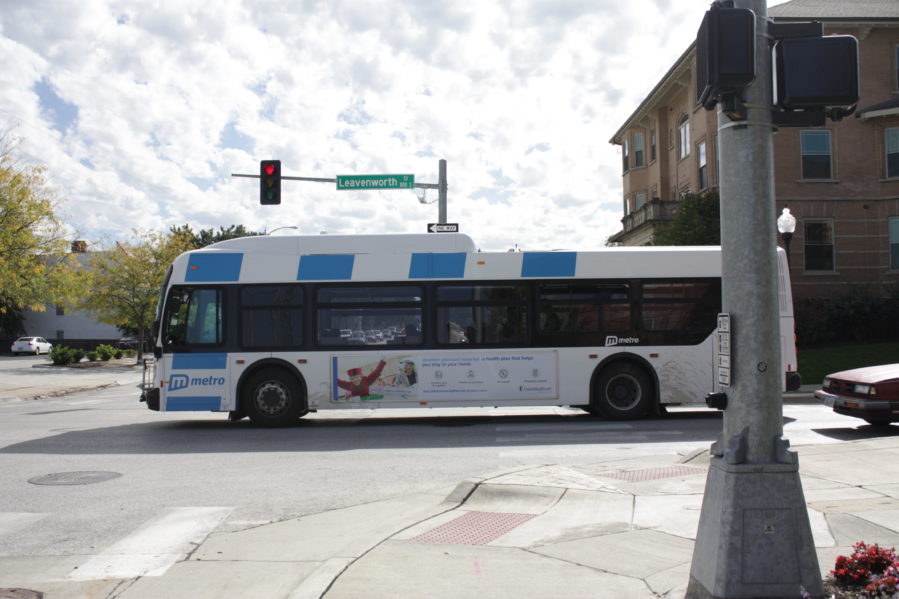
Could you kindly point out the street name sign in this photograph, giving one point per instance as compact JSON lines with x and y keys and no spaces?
{"x":443,"y":227}
{"x":375,"y":181}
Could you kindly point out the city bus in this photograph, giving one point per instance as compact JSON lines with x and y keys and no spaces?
{"x":272,"y":328}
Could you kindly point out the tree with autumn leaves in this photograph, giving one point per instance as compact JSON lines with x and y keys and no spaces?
{"x":125,"y":280}
{"x":118,"y":285}
{"x":36,"y":269}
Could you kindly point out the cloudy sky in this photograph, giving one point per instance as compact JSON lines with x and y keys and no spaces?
{"x":141,"y":110}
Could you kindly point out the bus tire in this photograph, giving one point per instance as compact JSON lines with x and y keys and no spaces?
{"x":623,"y":391}
{"x":272,"y":397}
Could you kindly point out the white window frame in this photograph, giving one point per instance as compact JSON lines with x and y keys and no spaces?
{"x":639,"y":150}
{"x":683,"y":138}
{"x":894,"y":133}
{"x":803,"y":153}
{"x":807,"y":244}
{"x":702,"y":161}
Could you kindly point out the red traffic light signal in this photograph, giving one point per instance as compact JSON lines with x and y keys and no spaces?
{"x":270,"y":182}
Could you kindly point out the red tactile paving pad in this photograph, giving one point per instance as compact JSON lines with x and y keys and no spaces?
{"x":634,"y":476}
{"x":473,"y":528}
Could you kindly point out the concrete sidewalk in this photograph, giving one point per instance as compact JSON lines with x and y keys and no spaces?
{"x":620,"y":529}
{"x":33,"y":378}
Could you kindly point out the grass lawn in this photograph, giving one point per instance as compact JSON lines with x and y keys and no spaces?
{"x":818,"y":361}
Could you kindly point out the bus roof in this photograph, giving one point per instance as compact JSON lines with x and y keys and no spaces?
{"x":397,"y":258}
{"x":351,"y":244}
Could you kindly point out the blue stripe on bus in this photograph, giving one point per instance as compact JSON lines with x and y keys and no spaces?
{"x":326,"y":267}
{"x":548,"y":264}
{"x":207,"y":268}
{"x":437,"y":266}
{"x":199,"y":361}
{"x":193,"y":404}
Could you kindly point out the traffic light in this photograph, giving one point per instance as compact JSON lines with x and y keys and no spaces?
{"x":725,"y":54}
{"x":816,"y":72}
{"x":270,"y":182}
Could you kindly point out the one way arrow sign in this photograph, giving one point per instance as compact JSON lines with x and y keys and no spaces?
{"x":443,"y":227}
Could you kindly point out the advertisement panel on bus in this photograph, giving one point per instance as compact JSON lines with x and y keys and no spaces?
{"x":449,"y":376}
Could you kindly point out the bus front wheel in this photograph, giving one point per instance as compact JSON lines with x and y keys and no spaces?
{"x":272,"y":397}
{"x":622,"y":392}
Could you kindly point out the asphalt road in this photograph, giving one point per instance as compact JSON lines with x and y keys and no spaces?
{"x":326,"y":461}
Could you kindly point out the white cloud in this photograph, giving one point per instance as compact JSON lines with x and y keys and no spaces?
{"x":519,"y":97}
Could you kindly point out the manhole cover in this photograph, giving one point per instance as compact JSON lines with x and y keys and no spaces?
{"x":87,"y":477}
{"x":20,"y":594}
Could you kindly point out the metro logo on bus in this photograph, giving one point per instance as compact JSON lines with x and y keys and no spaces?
{"x":612,"y":340}
{"x":182,"y":381}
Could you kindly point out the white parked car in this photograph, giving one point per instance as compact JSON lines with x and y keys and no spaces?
{"x":31,"y":345}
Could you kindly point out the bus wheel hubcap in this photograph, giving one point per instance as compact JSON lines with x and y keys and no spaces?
{"x":623,"y":392}
{"x":271,"y":398}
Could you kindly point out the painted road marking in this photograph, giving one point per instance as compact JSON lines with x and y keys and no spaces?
{"x":154,"y":547}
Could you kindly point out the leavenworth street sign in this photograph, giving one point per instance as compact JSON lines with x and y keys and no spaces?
{"x":375,"y":181}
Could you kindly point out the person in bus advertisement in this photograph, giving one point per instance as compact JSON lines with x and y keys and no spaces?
{"x":394,"y":377}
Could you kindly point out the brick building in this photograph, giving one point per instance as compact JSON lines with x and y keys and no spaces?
{"x":840,"y":181}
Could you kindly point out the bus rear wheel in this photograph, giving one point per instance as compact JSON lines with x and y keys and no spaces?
{"x":272,"y":397}
{"x":622,"y":392}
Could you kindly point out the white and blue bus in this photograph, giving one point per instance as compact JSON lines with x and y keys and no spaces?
{"x":275,"y":327}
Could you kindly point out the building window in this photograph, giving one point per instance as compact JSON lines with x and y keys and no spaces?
{"x":818,"y":244}
{"x":60,"y":310}
{"x":894,"y":243}
{"x":639,"y":200}
{"x":639,"y":150}
{"x":624,"y":157}
{"x":892,"y":152}
{"x":652,"y":145}
{"x":683,"y":138}
{"x":703,"y":165}
{"x":816,"y":155}
{"x":897,"y":68}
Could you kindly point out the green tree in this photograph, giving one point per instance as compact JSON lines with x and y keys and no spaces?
{"x":35,"y":269}
{"x":698,"y":222}
{"x":126,"y":280}
{"x":209,"y":236}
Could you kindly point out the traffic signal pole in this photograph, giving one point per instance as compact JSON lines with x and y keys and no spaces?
{"x":440,"y":186}
{"x":754,"y":537}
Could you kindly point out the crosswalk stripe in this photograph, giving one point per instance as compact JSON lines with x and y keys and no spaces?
{"x":11,"y":522}
{"x":154,"y":547}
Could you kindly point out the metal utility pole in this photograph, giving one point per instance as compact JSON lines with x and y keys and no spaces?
{"x":441,"y":193}
{"x":754,"y":538}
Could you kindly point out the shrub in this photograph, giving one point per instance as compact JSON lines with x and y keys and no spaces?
{"x":118,"y":354}
{"x":862,"y":314}
{"x":105,"y":351}
{"x":62,"y":355}
{"x":92,"y":356}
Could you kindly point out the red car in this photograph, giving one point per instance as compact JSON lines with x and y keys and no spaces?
{"x":870,"y":393}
